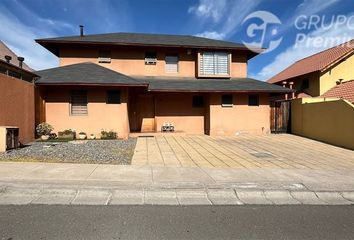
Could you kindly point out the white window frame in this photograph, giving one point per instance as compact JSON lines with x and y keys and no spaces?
{"x":214,"y":59}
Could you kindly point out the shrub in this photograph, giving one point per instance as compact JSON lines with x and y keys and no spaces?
{"x":108,"y":135}
{"x":44,"y":129}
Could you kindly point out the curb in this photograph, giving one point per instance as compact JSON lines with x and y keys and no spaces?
{"x":42,"y":194}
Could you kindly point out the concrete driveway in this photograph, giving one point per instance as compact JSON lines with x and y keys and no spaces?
{"x":282,"y":151}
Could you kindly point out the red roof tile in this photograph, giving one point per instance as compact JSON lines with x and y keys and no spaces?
{"x":5,"y":50}
{"x":317,"y":62}
{"x":345,"y":91}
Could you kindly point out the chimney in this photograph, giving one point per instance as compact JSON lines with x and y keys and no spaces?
{"x":20,"y":61}
{"x":8,"y":58}
{"x":339,"y":82}
{"x":81,"y":30}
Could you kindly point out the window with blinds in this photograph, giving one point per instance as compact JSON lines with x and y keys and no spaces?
{"x":78,"y":103}
{"x":171,"y":65}
{"x":214,"y":63}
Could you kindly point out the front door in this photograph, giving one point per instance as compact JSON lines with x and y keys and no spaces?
{"x":146,"y":113}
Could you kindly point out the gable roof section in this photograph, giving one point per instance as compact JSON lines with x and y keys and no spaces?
{"x":5,"y":50}
{"x":145,"y":39}
{"x":158,"y":84}
{"x":317,"y":62}
{"x":345,"y":91}
{"x":84,"y":73}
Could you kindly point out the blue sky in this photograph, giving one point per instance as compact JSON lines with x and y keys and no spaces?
{"x":23,"y":21}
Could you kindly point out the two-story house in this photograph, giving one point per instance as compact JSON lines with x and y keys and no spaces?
{"x":129,"y":82}
{"x":313,"y":76}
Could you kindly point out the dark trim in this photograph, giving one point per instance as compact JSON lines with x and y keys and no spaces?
{"x":92,"y":84}
{"x":222,"y":91}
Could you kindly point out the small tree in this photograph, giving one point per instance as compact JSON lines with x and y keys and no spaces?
{"x":44,"y":129}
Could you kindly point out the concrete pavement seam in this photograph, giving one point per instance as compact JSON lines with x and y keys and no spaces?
{"x":350,"y":200}
{"x":109,"y":198}
{"x":235,"y":191}
{"x":77,"y":193}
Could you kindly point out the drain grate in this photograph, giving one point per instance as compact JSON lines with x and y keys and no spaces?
{"x":262,"y":155}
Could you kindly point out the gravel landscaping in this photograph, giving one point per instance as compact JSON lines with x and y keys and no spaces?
{"x":86,"y":151}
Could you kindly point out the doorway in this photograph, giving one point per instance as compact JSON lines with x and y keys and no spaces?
{"x":142,"y":113}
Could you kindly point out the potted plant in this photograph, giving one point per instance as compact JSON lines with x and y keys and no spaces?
{"x":92,"y":136}
{"x":67,"y":134}
{"x":82,"y":135}
{"x":44,"y":129}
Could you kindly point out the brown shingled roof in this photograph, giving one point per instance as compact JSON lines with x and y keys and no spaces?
{"x":344,"y":90}
{"x":5,"y":50}
{"x":317,"y":62}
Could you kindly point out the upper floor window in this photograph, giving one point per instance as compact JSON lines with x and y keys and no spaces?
{"x":104,"y":56}
{"x":214,"y":63}
{"x":305,"y":84}
{"x":78,"y":103}
{"x":171,"y":64}
{"x":150,"y":58}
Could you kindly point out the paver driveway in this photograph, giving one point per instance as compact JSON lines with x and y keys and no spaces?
{"x":283,"y":151}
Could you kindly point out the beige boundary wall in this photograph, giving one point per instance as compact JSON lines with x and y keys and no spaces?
{"x":329,"y":120}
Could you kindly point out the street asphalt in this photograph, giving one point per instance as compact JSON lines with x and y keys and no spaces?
{"x":176,"y":222}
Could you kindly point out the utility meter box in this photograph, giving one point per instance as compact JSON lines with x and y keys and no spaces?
{"x":9,"y":138}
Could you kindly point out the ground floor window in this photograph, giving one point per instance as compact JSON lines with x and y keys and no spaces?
{"x":197,"y":101}
{"x":113,"y":97}
{"x":253,"y":100}
{"x":226,"y":100}
{"x":78,"y":103}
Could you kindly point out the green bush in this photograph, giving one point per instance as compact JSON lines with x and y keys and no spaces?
{"x":108,"y":135}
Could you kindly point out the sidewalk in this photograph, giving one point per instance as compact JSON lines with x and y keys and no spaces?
{"x":52,"y":183}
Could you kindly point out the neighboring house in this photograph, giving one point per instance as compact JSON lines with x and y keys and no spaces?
{"x":15,"y":60}
{"x":315,"y":75}
{"x":129,"y":82}
{"x":17,"y":108}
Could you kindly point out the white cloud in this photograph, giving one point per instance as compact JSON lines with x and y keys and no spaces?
{"x":316,"y":41}
{"x":226,"y":15}
{"x":212,"y":35}
{"x":210,"y":9}
{"x":19,"y":36}
{"x":20,"y":39}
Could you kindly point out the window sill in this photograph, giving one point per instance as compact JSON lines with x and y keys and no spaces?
{"x":213,"y":76}
{"x":227,"y":105}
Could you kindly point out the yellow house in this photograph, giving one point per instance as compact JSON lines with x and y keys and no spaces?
{"x":315,"y":75}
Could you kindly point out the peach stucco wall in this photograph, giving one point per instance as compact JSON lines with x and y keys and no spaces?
{"x":131,"y":61}
{"x":17,"y":106}
{"x":240,"y":118}
{"x":100,"y":115}
{"x":177,"y":109}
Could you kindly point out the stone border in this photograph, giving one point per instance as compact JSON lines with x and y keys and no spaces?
{"x":23,"y":195}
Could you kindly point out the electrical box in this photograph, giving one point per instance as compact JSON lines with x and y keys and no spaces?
{"x":9,"y":138}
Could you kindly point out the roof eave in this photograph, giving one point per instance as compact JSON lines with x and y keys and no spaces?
{"x":45,"y":43}
{"x":90,"y":84}
{"x":225,"y":90}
